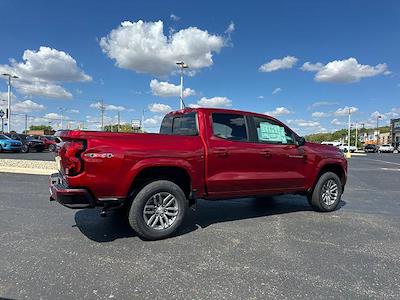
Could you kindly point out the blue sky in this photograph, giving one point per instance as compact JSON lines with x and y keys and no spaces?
{"x":301,"y":61}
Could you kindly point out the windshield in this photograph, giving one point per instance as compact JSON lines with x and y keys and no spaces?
{"x":4,"y":137}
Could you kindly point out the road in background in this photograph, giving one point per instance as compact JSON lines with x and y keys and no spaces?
{"x":248,"y":248}
{"x":47,"y":156}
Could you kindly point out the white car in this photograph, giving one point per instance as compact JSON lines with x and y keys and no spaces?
{"x":346,"y":148}
{"x":386,"y":148}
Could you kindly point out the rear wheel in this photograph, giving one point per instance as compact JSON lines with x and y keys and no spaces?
{"x":158,"y":210}
{"x":25,"y":149}
{"x":52,"y":148}
{"x":327,"y":193}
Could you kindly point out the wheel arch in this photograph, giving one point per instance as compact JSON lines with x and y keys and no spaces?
{"x":335,"y":168}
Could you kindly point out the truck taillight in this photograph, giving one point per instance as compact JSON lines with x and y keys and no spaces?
{"x":70,"y":157}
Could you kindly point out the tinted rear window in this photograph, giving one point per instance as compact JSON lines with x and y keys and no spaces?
{"x":179,"y":124}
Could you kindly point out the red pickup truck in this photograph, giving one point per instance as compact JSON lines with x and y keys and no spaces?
{"x":199,"y":153}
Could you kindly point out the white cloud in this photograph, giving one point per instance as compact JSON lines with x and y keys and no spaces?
{"x":143,"y":47}
{"x":97,"y":105}
{"x":322,"y":103}
{"x":213,"y":102}
{"x":174,"y":17}
{"x":343,"y":71}
{"x":54,"y":116}
{"x":377,"y":114}
{"x":159,"y":108}
{"x":260,"y":97}
{"x":306,"y":123}
{"x":320,"y":114}
{"x":307,"y":66}
{"x":279,"y":111}
{"x":340,"y":112}
{"x":393,"y":113}
{"x":231,"y":28}
{"x":276,"y":91}
{"x":42,"y":89}
{"x":278,"y":64}
{"x":74,"y":111}
{"x":337,"y":122}
{"x":42,"y":72}
{"x":166,"y":89}
{"x":26,"y":106}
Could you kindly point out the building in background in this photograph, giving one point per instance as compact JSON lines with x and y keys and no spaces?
{"x":395,"y":132}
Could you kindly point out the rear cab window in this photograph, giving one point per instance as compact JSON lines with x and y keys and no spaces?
{"x":185,"y":124}
{"x":230,"y":126}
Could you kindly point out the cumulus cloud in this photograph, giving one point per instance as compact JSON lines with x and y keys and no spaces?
{"x":344,"y":71}
{"x":42,"y":72}
{"x":166,"y":89}
{"x":279,"y":111}
{"x":276,"y":91}
{"x":306,"y":123}
{"x":143,"y":47}
{"x":340,"y":112}
{"x":320,"y":114}
{"x":26,"y":106}
{"x":112,"y":107}
{"x":260,"y":97}
{"x":159,"y":108}
{"x":54,"y":116}
{"x":213,"y":102}
{"x":337,"y":122}
{"x":278,"y":64}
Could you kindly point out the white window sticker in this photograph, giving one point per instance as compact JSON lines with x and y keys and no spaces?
{"x":271,"y":133}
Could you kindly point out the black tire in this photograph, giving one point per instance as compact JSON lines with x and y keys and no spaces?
{"x":136,"y":217}
{"x":1,"y":149}
{"x":52,"y":148}
{"x":24,"y":149}
{"x":316,"y":199}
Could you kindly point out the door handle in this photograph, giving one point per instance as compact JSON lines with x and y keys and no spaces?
{"x":266,"y":153}
{"x":221,"y":152}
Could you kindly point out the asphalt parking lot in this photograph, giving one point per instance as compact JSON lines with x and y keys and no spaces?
{"x":233,"y":249}
{"x":47,"y":156}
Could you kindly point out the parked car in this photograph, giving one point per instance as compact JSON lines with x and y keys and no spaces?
{"x":200,"y":153}
{"x":8,"y":144}
{"x":386,"y":148}
{"x":346,"y":148}
{"x":29,"y":143}
{"x":49,"y":141}
{"x":371,"y":148}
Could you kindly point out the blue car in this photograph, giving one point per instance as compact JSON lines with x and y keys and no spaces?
{"x":8,"y":144}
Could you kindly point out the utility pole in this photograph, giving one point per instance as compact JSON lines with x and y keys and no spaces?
{"x":143,"y":120}
{"x":102,"y":109}
{"x":348,"y":139}
{"x":356,"y":134}
{"x":62,"y":109}
{"x":377,"y":126}
{"x":26,"y":123}
{"x":9,"y":99}
{"x":119,"y":121}
{"x":182,"y":66}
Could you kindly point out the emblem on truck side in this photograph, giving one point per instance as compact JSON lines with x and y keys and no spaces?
{"x":99,"y":155}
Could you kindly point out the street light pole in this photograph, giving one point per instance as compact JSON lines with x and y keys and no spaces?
{"x":182,"y":66}
{"x":377,"y":126}
{"x":348,"y":138}
{"x":9,"y":99}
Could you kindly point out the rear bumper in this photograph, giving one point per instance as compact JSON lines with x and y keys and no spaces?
{"x":69,"y":197}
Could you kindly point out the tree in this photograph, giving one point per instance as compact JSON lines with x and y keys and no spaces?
{"x":41,"y":127}
{"x":122,"y":128}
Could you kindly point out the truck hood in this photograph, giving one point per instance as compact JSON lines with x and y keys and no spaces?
{"x":328,"y":150}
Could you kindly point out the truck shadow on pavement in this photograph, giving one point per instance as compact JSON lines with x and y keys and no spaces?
{"x":115,"y":225}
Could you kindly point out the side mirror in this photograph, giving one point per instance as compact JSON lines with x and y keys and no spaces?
{"x":300,"y":141}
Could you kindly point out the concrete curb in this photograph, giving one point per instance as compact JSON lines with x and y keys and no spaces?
{"x":30,"y":171}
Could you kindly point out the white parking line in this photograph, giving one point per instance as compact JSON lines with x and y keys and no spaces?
{"x":384,"y":161}
{"x":389,"y":169}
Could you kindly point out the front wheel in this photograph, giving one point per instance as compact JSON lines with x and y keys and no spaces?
{"x":158,"y":210}
{"x":52,"y":148}
{"x":327,"y":192}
